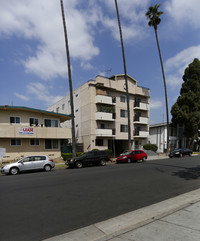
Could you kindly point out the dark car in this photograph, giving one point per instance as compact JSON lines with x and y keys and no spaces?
{"x":89,"y":158}
{"x":131,"y":156}
{"x":181,"y":152}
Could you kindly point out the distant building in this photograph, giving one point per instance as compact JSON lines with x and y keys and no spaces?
{"x":101,"y":113}
{"x":158,"y":136}
{"x":27,"y":131}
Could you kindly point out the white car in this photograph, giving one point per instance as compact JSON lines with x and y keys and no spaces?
{"x":29,"y":163}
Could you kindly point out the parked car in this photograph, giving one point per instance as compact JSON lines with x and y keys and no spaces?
{"x":29,"y":163}
{"x":181,"y":152}
{"x":131,"y":156}
{"x":89,"y":158}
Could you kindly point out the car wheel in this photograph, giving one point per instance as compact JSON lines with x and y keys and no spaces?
{"x":102,"y":162}
{"x":144,"y":159}
{"x":79,"y":164}
{"x":47,"y":168}
{"x":129,"y":160}
{"x":14,"y":171}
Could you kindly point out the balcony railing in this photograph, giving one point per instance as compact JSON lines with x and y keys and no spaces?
{"x":109,"y":100}
{"x":142,"y":134}
{"x":141,"y":120}
{"x":105,"y":116}
{"x":105,"y":132}
{"x":141,"y":106}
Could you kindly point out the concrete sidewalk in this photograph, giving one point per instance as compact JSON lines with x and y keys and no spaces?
{"x":175,"y":219}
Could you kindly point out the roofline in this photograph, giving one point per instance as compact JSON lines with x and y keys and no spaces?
{"x":62,"y":116}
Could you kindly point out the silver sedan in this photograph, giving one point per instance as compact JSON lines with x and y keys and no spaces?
{"x":29,"y":163}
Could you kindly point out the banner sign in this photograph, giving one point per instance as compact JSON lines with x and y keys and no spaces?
{"x":26,"y":131}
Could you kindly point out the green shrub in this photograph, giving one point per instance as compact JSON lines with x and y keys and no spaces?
{"x":152,"y":147}
{"x":109,"y":152}
{"x":67,"y":156}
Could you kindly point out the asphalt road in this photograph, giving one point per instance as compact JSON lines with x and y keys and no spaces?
{"x":35,"y":206}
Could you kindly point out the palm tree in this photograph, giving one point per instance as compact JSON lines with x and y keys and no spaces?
{"x":154,"y":19}
{"x":125,"y":76}
{"x":70,"y":82}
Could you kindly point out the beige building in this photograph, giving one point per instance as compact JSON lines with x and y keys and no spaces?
{"x":27,"y":131}
{"x":101,"y":113}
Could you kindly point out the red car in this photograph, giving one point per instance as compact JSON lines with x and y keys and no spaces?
{"x":131,"y":156}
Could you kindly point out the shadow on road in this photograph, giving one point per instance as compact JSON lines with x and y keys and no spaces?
{"x":189,"y":173}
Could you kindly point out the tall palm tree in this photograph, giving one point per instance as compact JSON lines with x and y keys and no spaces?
{"x":153,"y":15}
{"x":70,"y":82}
{"x":125,"y":76}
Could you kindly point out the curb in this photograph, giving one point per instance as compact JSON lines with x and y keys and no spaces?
{"x":113,"y":227}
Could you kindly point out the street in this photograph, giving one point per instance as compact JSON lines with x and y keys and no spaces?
{"x":35,"y":206}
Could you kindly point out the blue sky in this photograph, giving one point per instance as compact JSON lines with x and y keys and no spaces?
{"x":33,"y":63}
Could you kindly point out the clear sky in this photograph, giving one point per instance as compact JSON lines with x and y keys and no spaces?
{"x":33,"y":66}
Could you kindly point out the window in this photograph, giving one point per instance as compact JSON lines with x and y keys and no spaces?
{"x":51,"y":144}
{"x":99,"y":142}
{"x":123,"y":98}
{"x":76,"y":110}
{"x":51,"y":123}
{"x":15,"y":142}
{"x":33,"y":121}
{"x":57,"y":109}
{"x":63,"y":106}
{"x":14,"y":120}
{"x":104,"y":126}
{"x":123,"y":128}
{"x":34,"y":142}
{"x":123,"y":113}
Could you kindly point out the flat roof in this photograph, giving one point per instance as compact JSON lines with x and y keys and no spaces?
{"x":63,"y":117}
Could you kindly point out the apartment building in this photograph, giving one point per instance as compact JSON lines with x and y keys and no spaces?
{"x":100,"y":108}
{"x":27,"y":131}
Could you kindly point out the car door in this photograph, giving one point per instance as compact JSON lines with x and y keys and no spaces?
{"x":133,"y":156}
{"x":26,"y":164}
{"x":39,"y":162}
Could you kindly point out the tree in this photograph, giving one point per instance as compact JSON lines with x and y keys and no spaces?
{"x":70,"y":81}
{"x":186,"y":110}
{"x":125,"y":76}
{"x":153,"y":15}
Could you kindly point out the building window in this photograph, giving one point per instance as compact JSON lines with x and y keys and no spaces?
{"x":123,"y":98}
{"x":14,"y":120}
{"x":76,"y":95}
{"x":99,"y":142}
{"x":57,"y":109}
{"x":63,"y":106}
{"x":123,"y":128}
{"x":33,"y":121}
{"x":15,"y":142}
{"x":51,"y":144}
{"x":76,"y":110}
{"x":123,"y":113}
{"x":34,"y":142}
{"x":51,"y":123}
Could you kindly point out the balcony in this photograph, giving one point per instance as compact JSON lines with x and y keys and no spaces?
{"x":105,"y":132}
{"x":102,"y":99}
{"x":141,"y":120}
{"x":141,"y":106}
{"x":105,"y":116}
{"x":19,"y":131}
{"x":141,"y":134}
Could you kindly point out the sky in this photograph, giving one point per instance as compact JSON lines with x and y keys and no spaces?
{"x":33,"y":63}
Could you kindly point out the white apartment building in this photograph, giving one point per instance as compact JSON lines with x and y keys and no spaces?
{"x":100,"y":108}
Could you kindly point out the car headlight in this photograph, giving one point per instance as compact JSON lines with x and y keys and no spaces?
{"x":124,"y":157}
{"x":177,"y":152}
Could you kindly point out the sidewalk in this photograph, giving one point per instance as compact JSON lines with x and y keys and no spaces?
{"x":175,"y":219}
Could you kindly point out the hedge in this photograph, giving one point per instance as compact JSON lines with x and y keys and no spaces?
{"x":152,"y":147}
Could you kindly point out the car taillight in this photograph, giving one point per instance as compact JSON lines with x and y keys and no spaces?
{"x":51,"y":160}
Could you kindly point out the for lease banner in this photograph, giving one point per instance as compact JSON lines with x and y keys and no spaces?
{"x":26,"y":131}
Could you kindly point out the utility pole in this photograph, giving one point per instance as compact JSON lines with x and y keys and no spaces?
{"x":125,"y":76}
{"x":70,"y":82}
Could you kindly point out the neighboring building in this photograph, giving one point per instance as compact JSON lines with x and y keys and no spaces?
{"x":27,"y":131}
{"x":158,"y":136}
{"x":101,"y":113}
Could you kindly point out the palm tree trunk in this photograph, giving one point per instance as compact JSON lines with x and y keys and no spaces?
{"x":166,"y":99}
{"x":125,"y":76}
{"x":70,"y":82}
